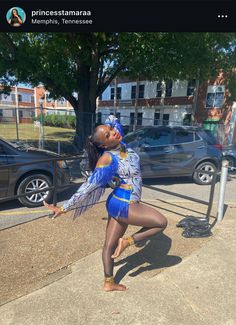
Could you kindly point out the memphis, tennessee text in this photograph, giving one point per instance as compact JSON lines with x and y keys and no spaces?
{"x":61,"y":21}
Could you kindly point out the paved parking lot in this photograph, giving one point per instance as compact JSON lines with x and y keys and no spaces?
{"x":166,"y":189}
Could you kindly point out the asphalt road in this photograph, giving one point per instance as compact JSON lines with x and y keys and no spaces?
{"x":166,"y":189}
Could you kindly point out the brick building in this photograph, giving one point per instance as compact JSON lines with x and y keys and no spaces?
{"x":169,"y":103}
{"x":172,"y":103}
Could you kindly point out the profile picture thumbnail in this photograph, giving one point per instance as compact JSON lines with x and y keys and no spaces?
{"x":16,"y":16}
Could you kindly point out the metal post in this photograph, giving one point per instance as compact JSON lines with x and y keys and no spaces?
{"x":211,"y":197}
{"x":59,"y":147}
{"x":17,"y":113}
{"x":115,"y":97}
{"x":41,"y":135}
{"x":223,"y":180}
{"x":55,"y":182}
{"x":136,"y":104}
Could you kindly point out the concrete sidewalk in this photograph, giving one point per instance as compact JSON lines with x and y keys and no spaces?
{"x":197,"y":289}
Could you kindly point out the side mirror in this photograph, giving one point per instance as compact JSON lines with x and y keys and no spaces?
{"x":144,"y":147}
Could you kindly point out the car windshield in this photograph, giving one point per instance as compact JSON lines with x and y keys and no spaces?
{"x":17,"y":144}
{"x":9,"y":143}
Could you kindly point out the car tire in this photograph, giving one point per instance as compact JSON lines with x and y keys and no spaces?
{"x":201,"y":178}
{"x":34,"y":182}
{"x":232,"y":163}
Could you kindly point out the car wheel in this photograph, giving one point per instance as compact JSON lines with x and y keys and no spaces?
{"x":232,"y":164}
{"x":33,"y":183}
{"x":201,"y":178}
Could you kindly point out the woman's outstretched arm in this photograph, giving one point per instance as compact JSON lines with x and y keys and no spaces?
{"x":90,"y":191}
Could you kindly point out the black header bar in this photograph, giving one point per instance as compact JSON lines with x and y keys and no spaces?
{"x":120,"y":16}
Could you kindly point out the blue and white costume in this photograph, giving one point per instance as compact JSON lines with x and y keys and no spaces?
{"x":123,"y":171}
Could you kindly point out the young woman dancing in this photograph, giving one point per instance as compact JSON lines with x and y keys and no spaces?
{"x":114,"y":164}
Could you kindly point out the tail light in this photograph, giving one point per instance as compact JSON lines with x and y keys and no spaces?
{"x":218,"y":146}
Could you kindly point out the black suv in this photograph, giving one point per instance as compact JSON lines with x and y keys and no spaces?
{"x":176,"y":151}
{"x":27,"y":178}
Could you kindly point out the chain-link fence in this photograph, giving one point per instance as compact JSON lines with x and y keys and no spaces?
{"x":39,"y":127}
{"x":54,"y":129}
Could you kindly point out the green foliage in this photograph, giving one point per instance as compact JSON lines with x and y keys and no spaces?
{"x":55,"y":120}
{"x":86,"y":63}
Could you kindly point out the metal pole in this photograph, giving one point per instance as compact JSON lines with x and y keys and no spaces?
{"x":41,"y":125}
{"x":17,"y":113}
{"x":136,"y":105}
{"x":54,"y":163}
{"x":223,"y":180}
{"x":59,"y":147}
{"x":115,"y":97}
{"x":212,"y":191}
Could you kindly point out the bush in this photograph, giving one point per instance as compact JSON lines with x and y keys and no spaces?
{"x":61,"y":121}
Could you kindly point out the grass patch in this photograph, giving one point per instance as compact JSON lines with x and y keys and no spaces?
{"x":52,"y":135}
{"x":29,"y":132}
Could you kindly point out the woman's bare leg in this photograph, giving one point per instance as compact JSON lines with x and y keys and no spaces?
{"x":115,"y":230}
{"x":140,"y":214}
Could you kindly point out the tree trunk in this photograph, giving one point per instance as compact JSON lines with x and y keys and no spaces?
{"x":85,"y":116}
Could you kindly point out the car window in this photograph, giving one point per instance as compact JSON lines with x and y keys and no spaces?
{"x":208,"y":136}
{"x":2,"y":150}
{"x":139,"y":134}
{"x":183,"y":136}
{"x":158,"y":137}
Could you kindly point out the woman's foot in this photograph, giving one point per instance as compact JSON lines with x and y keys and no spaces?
{"x":114,"y":287}
{"x":123,"y":243}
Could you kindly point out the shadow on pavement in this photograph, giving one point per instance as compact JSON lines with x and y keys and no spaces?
{"x":62,"y":196}
{"x":155,"y":253}
{"x":167,"y":181}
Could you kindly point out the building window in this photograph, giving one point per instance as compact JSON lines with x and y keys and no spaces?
{"x":131,"y":115}
{"x":157,"y":118}
{"x":48,"y":98}
{"x":133,"y":92}
{"x":166,"y":118}
{"x":139,"y":118}
{"x":118,"y":115}
{"x":187,"y":119}
{"x":169,"y":85}
{"x":32,"y":99}
{"x":99,"y":118}
{"x":13,"y":97}
{"x":118,"y":93}
{"x":159,"y":89}
{"x":1,"y":113}
{"x":191,"y":87}
{"x":140,"y":91}
{"x":20,"y":98}
{"x":215,"y":96}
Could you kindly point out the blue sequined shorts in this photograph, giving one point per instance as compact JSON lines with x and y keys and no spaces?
{"x":118,"y":203}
